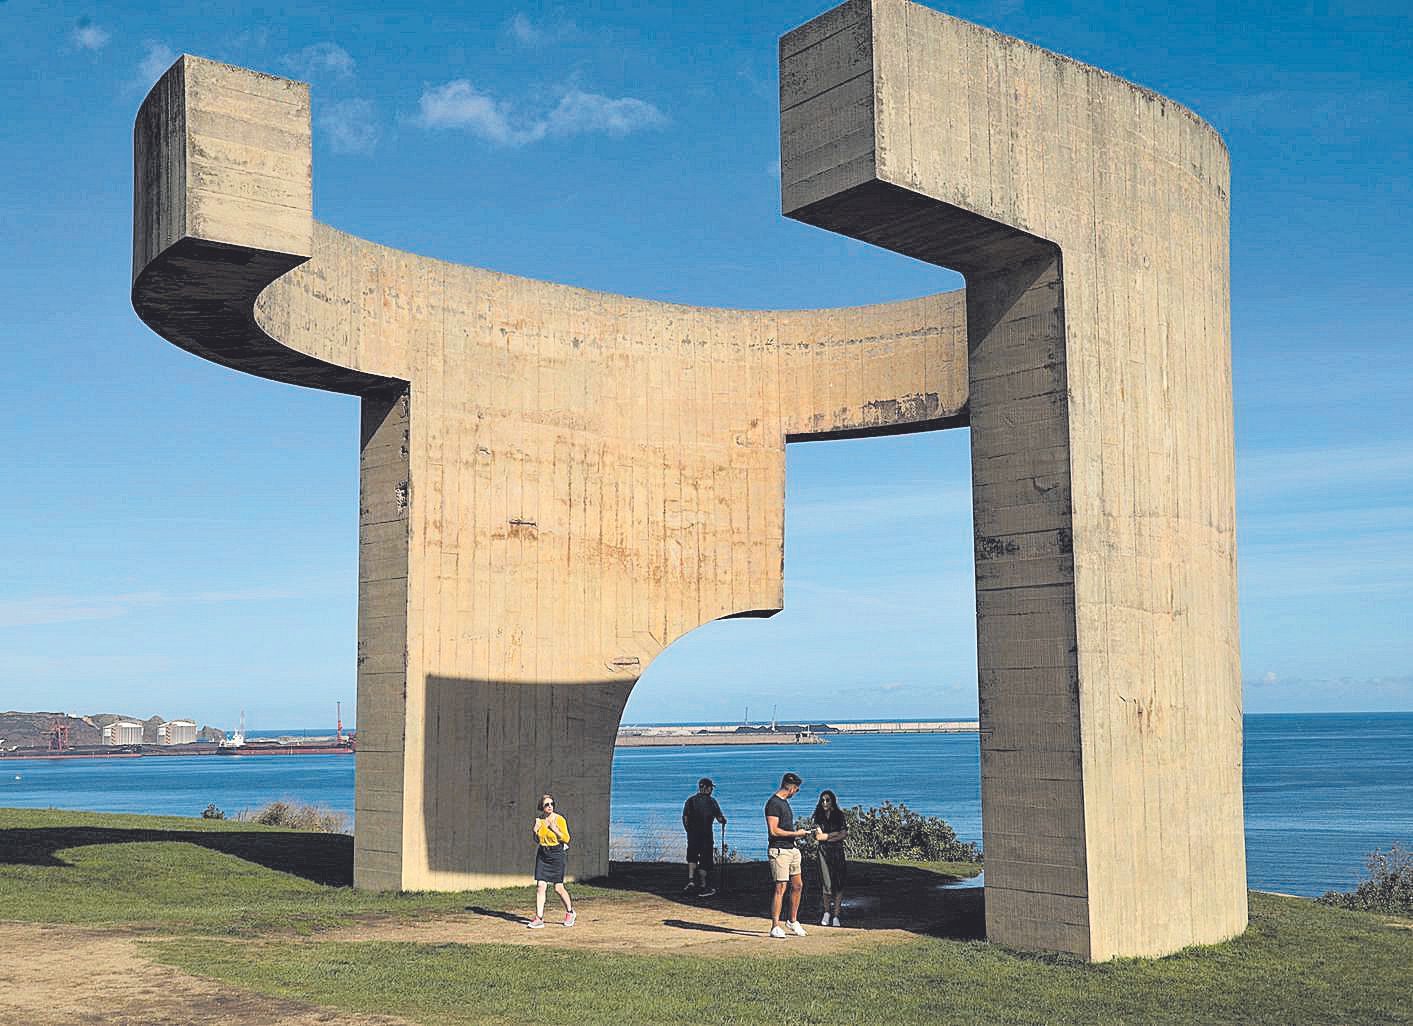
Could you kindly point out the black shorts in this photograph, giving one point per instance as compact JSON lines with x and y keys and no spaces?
{"x":549,"y":863}
{"x":701,"y":850}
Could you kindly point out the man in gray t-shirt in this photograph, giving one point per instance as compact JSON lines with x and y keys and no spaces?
{"x":784,"y":855}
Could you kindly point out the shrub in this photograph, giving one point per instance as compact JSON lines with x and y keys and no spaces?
{"x":212,"y":812}
{"x":897,"y":832}
{"x":657,"y":841}
{"x":1389,"y":888}
{"x":317,"y":818}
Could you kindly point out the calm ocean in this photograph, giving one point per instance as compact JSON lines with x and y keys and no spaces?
{"x":1321,"y":791}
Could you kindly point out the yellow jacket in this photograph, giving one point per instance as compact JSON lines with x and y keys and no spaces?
{"x":551,"y":831}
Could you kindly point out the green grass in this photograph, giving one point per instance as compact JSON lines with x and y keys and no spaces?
{"x":1298,"y":963}
{"x":193,"y":876}
{"x":193,"y":881}
{"x":960,"y":870}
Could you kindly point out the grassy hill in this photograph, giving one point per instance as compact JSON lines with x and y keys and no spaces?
{"x":270,"y":911}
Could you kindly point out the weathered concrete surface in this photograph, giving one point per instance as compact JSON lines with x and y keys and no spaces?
{"x":556,"y":483}
{"x":1090,"y":218}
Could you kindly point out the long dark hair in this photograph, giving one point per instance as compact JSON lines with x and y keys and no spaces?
{"x":831,"y":819}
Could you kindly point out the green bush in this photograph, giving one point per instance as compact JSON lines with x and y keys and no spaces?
{"x":897,"y":832}
{"x":1389,"y":888}
{"x":317,"y":818}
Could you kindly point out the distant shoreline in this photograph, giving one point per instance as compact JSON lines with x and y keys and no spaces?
{"x":733,"y":724}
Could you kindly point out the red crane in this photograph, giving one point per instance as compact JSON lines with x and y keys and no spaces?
{"x":58,"y":734}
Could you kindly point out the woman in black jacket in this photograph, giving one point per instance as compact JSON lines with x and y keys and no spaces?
{"x":830,"y":829}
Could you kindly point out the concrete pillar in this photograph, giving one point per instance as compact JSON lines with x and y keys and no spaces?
{"x":1089,"y":217}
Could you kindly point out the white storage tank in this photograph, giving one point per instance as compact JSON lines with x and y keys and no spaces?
{"x":177,"y":732}
{"x":122,"y":732}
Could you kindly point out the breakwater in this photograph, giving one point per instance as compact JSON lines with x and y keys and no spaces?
{"x":716,"y":738}
{"x":664,"y":735}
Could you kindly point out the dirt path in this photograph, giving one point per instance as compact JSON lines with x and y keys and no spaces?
{"x":53,"y":975}
{"x":68,"y":976}
{"x":642,"y":924}
{"x":76,"y":976}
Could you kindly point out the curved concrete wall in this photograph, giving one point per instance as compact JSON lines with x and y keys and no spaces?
{"x":556,"y":483}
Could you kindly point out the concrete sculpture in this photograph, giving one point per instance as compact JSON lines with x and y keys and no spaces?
{"x":556,"y":484}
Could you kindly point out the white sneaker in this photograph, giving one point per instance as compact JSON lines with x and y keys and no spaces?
{"x":536,"y":924}
{"x":824,"y":919}
{"x":796,"y":928}
{"x":777,"y":933}
{"x":836,"y":921}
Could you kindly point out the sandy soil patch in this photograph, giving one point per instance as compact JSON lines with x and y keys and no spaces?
{"x":68,"y":976}
{"x":642,"y":924}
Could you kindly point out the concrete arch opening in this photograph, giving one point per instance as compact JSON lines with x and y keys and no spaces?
{"x":878,"y":623}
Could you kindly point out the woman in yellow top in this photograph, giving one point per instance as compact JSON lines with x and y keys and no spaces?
{"x":552,"y":841}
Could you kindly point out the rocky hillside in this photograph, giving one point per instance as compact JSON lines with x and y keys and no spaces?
{"x":28,"y":729}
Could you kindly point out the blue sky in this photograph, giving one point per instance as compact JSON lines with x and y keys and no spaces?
{"x":180,"y":539}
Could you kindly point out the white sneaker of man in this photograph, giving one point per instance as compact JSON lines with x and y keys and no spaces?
{"x":824,"y":919}
{"x":777,"y":933}
{"x":796,"y":928}
{"x":836,"y":920}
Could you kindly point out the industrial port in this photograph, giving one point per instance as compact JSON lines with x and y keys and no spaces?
{"x":124,"y":739}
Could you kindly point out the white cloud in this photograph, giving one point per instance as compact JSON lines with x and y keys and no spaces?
{"x":527,"y":33}
{"x":320,"y":58}
{"x":917,"y":506}
{"x":460,"y":105}
{"x":251,"y":39}
{"x":350,"y":126}
{"x":1264,"y":473}
{"x":580,"y":112}
{"x":62,"y":609}
{"x":158,"y":58}
{"x":88,"y":36}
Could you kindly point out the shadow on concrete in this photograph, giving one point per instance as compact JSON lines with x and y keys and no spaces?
{"x":879,"y":897}
{"x":321,"y":858}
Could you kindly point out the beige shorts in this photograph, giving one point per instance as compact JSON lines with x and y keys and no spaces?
{"x":784,"y":863}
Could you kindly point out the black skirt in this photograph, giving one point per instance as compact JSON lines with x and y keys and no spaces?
{"x":833,"y":867}
{"x":549,"y":863}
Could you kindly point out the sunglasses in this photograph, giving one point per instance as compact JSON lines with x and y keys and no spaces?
{"x":547,"y":805}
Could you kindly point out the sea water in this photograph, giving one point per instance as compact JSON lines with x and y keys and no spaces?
{"x":1322,"y":791}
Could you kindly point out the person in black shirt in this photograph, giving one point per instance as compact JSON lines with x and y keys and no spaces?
{"x":831,"y":828}
{"x":784,"y":856}
{"x":699,"y":816}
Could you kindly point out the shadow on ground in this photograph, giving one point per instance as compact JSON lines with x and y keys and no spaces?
{"x":879,"y":897}
{"x":322,"y":858}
